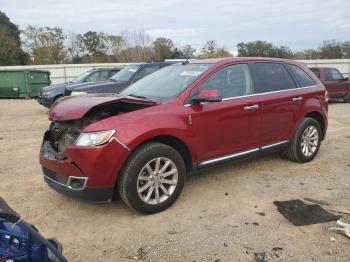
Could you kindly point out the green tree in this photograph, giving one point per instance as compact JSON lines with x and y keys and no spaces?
{"x":263,"y":49}
{"x":163,"y":48}
{"x":45,"y":44}
{"x":11,"y":52}
{"x":331,"y":49}
{"x":95,"y":44}
{"x":210,"y":50}
{"x":346,"y":49}
{"x":188,"y":52}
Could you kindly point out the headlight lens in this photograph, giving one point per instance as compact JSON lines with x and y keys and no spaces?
{"x":46,"y":93}
{"x":94,"y":138}
{"x":78,"y":93}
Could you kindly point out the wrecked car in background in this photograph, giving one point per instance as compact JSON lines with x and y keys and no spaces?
{"x":143,"y":142}
{"x":50,"y":94}
{"x":127,"y":76}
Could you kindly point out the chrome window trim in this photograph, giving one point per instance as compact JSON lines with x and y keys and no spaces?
{"x":259,"y":94}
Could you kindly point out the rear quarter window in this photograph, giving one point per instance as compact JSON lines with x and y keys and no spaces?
{"x":302,"y":78}
{"x":269,"y":77}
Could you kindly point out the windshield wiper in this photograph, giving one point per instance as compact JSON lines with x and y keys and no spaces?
{"x":142,"y":97}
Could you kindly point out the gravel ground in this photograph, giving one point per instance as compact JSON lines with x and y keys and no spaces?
{"x":215,"y":218}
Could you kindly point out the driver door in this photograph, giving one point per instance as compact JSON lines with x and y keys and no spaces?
{"x":232,"y":125}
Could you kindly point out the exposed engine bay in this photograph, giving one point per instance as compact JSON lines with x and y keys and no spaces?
{"x":64,"y":133}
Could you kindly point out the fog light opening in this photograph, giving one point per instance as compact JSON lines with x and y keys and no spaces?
{"x":77,"y":183}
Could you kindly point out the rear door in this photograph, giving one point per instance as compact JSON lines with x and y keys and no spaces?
{"x":229,"y":126}
{"x":279,"y":99}
{"x":334,"y":83}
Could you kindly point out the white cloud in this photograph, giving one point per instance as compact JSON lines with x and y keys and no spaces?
{"x":296,"y":23}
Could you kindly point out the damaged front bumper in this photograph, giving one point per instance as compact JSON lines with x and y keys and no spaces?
{"x":85,"y":172}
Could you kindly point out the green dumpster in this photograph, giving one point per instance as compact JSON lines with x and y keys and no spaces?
{"x":23,"y":83}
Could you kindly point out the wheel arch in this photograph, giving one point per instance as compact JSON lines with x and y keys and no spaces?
{"x":320,"y":119}
{"x":175,"y":143}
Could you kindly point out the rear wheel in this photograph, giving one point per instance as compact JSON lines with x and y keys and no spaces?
{"x":306,"y":142}
{"x":152,"y":178}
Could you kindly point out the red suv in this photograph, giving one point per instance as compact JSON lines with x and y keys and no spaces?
{"x":143,"y":142}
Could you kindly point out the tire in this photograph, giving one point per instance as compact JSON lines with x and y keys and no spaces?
{"x":295,"y":150}
{"x":136,"y":176}
{"x":347,"y":98}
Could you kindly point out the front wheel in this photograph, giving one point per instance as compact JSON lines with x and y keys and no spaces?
{"x":306,"y":142}
{"x":152,"y":178}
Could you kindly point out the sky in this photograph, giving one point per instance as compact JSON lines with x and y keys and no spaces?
{"x":299,"y":24}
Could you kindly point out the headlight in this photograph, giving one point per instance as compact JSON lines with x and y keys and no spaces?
{"x":78,"y":93}
{"x":94,"y":138}
{"x":46,"y":93}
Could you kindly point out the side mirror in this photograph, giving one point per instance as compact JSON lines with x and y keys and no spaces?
{"x":207,"y":96}
{"x":346,"y":78}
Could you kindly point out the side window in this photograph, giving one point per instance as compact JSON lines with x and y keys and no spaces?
{"x":301,"y":76}
{"x":92,"y":77}
{"x":113,"y":72}
{"x":336,"y":75}
{"x":316,"y":71}
{"x":145,"y":72}
{"x":98,"y":76}
{"x":231,"y":81}
{"x":269,"y":77}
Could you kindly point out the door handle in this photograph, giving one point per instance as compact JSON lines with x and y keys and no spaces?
{"x":252,"y":107}
{"x":299,"y":98}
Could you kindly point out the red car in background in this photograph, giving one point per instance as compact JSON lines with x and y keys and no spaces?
{"x":143,"y":142}
{"x":335,"y":83}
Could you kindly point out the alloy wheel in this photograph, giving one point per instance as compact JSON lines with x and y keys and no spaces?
{"x":309,"y":141}
{"x":157,"y":180}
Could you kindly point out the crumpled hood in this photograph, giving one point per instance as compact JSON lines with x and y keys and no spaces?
{"x":76,"y":107}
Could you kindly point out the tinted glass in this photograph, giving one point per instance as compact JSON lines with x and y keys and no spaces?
{"x":336,"y":75}
{"x":231,"y":81}
{"x":113,"y":72}
{"x":167,"y":83}
{"x":81,"y":78}
{"x":126,"y":73}
{"x":269,"y":77}
{"x":145,"y":71}
{"x":301,"y":76}
{"x":98,"y":76}
{"x":316,"y":71}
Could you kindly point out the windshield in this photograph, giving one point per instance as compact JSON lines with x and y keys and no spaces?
{"x":126,"y":73}
{"x":166,"y":83}
{"x":81,"y":77}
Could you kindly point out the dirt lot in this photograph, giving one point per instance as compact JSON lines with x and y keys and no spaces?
{"x":214,"y":218}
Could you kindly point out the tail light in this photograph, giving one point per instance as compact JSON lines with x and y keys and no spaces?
{"x":326,"y":96}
